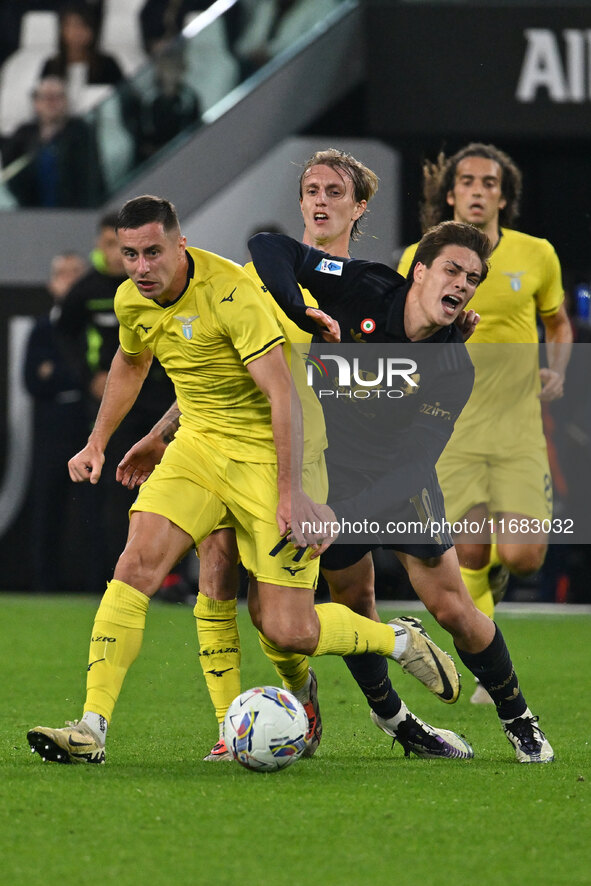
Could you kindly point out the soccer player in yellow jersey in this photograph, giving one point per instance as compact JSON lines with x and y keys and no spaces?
{"x":234,"y":458}
{"x":335,"y":189}
{"x":494,"y":471}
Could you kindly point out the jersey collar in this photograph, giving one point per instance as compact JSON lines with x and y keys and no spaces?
{"x":190,"y":275}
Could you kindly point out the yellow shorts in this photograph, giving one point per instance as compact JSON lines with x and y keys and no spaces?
{"x":199,"y":489}
{"x":512,"y":482}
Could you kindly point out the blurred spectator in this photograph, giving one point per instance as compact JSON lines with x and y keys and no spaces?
{"x":60,"y":428}
{"x":162,"y":21}
{"x":270,"y":26}
{"x":78,"y":60}
{"x":53,"y":160}
{"x":174,"y":107}
{"x":87,"y":320}
{"x":11,"y":13}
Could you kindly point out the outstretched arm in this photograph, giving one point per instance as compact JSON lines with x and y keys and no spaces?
{"x":272,"y":376}
{"x":279,"y":260}
{"x":125,"y":379}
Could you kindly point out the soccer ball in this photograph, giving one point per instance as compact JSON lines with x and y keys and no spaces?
{"x":265,"y":729}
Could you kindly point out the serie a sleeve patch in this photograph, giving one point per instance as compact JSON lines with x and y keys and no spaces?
{"x":330,"y":266}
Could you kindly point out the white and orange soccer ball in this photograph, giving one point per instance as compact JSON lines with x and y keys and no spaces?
{"x":265,"y":729}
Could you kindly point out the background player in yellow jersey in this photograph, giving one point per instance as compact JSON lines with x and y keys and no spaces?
{"x":335,"y":189}
{"x":219,"y":341}
{"x":496,"y":464}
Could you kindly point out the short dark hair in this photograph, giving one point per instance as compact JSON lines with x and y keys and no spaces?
{"x":365,"y":181}
{"x":451,"y":233}
{"x":108,"y":220}
{"x":146,"y":209}
{"x":439,"y":179}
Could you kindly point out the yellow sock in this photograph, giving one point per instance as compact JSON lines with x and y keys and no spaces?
{"x":219,"y":650}
{"x":494,"y":555}
{"x":476,"y":580}
{"x":115,"y":642}
{"x":344,"y":632}
{"x":292,"y":667}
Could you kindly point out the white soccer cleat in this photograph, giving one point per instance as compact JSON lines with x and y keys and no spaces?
{"x":73,"y":743}
{"x":422,"y":658}
{"x":530,"y":743}
{"x":427,"y":742}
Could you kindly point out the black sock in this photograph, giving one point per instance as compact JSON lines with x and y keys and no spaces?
{"x":371,"y":674}
{"x":494,"y":668}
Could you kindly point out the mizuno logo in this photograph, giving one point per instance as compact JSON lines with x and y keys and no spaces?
{"x":229,"y":297}
{"x":219,"y":673}
{"x":145,"y":328}
{"x":95,"y":662}
{"x":293,"y":569}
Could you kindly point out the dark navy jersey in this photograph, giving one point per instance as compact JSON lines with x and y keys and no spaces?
{"x":385,"y":434}
{"x":367,"y":298}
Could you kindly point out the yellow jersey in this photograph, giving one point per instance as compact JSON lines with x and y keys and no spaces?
{"x":524,"y":279}
{"x":205,"y":340}
{"x":315,"y":441}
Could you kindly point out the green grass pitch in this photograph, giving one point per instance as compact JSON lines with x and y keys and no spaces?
{"x":357,"y":813}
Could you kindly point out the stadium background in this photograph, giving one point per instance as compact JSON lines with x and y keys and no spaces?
{"x":393,"y":82}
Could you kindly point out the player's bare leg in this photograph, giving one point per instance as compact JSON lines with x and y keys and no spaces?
{"x":289,"y":617}
{"x":481,"y":646}
{"x":415,"y":652}
{"x":354,"y":587}
{"x":486,"y":568}
{"x":521,"y":553}
{"x":154,"y":546}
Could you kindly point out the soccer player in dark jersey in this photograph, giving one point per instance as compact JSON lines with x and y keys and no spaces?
{"x":373,"y":303}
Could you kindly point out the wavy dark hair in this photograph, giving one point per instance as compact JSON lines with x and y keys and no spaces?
{"x":439,"y":178}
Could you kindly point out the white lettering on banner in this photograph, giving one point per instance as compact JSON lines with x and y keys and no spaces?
{"x":19,"y":420}
{"x":393,"y":366}
{"x":543,"y":66}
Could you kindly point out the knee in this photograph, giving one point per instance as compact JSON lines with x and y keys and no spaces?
{"x":473,"y":556}
{"x":454,"y":610}
{"x":292,"y":637}
{"x":140,"y":570}
{"x":523,"y":560}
